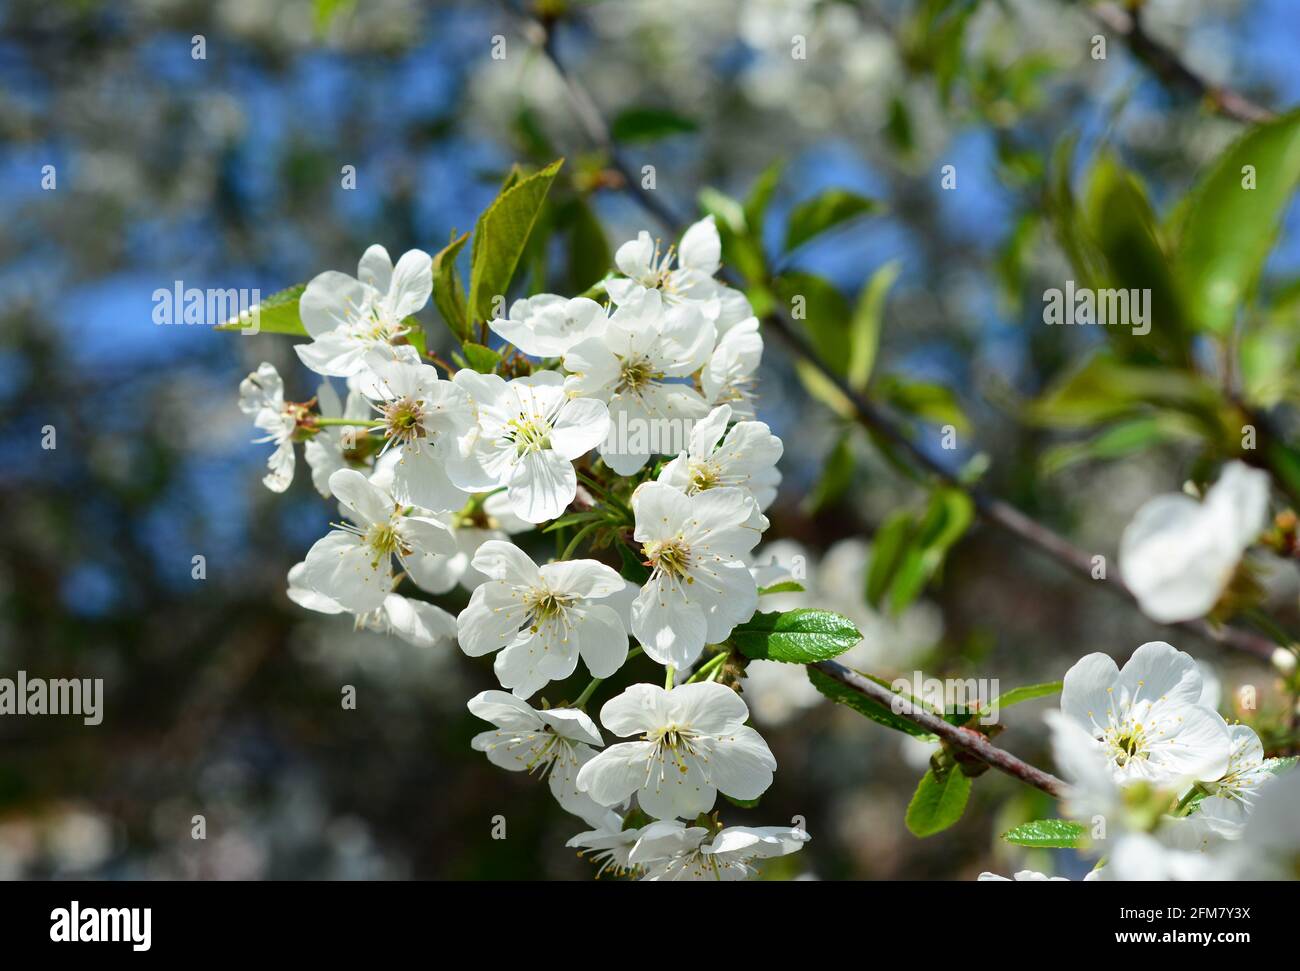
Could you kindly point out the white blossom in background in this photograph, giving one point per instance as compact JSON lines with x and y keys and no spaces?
{"x":529,"y":434}
{"x":639,"y":367}
{"x":1238,"y":787}
{"x":353,"y":564}
{"x":699,"y":587}
{"x":555,"y":743}
{"x":668,"y":850}
{"x":542,"y":619}
{"x":694,"y":744}
{"x":547,"y":325}
{"x":681,"y":274}
{"x":261,"y":395}
{"x":1147,"y":719}
{"x":1021,"y":876}
{"x":1178,"y":556}
{"x":348,"y":317}
{"x":1269,"y":848}
{"x":326,"y":451}
{"x":744,"y":457}
{"x":414,"y":621}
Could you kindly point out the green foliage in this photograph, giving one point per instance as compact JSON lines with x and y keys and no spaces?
{"x":278,"y":314}
{"x":909,"y":549}
{"x":800,"y":636}
{"x":500,"y":237}
{"x":863,"y":705}
{"x":831,"y":208}
{"x":868,"y":320}
{"x":1229,"y":230}
{"x":821,"y":309}
{"x":1058,"y":834}
{"x":937,"y":802}
{"x":480,"y":358}
{"x":785,"y":586}
{"x":837,"y":474}
{"x":448,"y":292}
{"x":933,"y":403}
{"x":649,"y":124}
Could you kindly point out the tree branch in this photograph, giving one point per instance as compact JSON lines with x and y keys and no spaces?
{"x":968,"y":740}
{"x":867,"y":413}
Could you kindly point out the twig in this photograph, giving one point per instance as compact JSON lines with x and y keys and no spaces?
{"x":966,"y":739}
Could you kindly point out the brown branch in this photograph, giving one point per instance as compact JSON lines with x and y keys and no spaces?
{"x":1167,"y":66}
{"x":867,"y":413}
{"x":966,"y":739}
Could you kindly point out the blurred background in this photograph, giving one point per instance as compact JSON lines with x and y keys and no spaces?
{"x":222,"y":698}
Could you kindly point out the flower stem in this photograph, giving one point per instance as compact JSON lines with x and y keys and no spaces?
{"x":669,"y":676}
{"x":709,"y":667}
{"x":347,"y":422}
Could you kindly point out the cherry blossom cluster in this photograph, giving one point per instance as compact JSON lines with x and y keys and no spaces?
{"x":435,"y":474}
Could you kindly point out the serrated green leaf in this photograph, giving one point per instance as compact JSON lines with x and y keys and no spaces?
{"x":841,"y":694}
{"x":825,"y":211}
{"x":868,"y":319}
{"x":937,"y":803}
{"x":801,"y":636}
{"x":500,"y":238}
{"x":481,"y":359}
{"x":448,"y":291}
{"x":1061,"y":834}
{"x":1027,"y":692}
{"x":1229,"y":230}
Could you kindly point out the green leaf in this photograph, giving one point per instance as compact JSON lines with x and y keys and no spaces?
{"x":481,"y":359}
{"x":868,"y":318}
{"x":888,"y":548}
{"x":1229,"y":230}
{"x":909,"y":552}
{"x":633,"y":570}
{"x":825,"y":211}
{"x":648,"y":124}
{"x":1027,"y":693}
{"x":837,"y":474}
{"x":1103,"y":388}
{"x":937,"y":803}
{"x":743,"y":803}
{"x":785,"y":586}
{"x":1119,"y":440}
{"x":742,"y":246}
{"x":760,"y":196}
{"x":448,"y":292}
{"x":500,"y":237}
{"x":277,"y":314}
{"x":589,"y":256}
{"x":934,"y":403}
{"x":844,"y":695}
{"x":824,"y":314}
{"x":801,"y":636}
{"x":1060,"y":834}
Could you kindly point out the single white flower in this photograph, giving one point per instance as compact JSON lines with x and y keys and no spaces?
{"x":327,"y":451}
{"x":547,"y":326}
{"x":542,"y":618}
{"x":1178,"y":555}
{"x":1239,"y":786}
{"x":1147,"y":719}
{"x":414,"y":621}
{"x":609,"y":844}
{"x":638,"y":367}
{"x":668,"y":850}
{"x":745,"y":458}
{"x":348,"y":317}
{"x":694,"y":745}
{"x":696,"y":259}
{"x":530,"y":431}
{"x":261,"y":395}
{"x":428,"y":421}
{"x":352,"y":564}
{"x":490,"y":519}
{"x":555,"y":743}
{"x":730,"y":373}
{"x":699,"y":587}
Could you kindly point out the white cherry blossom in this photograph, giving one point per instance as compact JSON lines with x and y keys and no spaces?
{"x":326,"y":452}
{"x":684,"y":273}
{"x":542,"y":619}
{"x":1178,"y":556}
{"x":694,"y":744}
{"x":1238,"y":787}
{"x":352,"y":564}
{"x":555,"y":743}
{"x":529,"y":433}
{"x":347,"y":317}
{"x":669,"y":850}
{"x":546,"y":325}
{"x":261,"y":395}
{"x":744,"y":457}
{"x":608,"y":844}
{"x":414,"y":621}
{"x":699,"y":587}
{"x":471,"y":527}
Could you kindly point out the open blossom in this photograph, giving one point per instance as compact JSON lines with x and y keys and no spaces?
{"x":744,"y":457}
{"x":490,"y":519}
{"x":427,"y":420}
{"x":326,"y":452}
{"x":1147,"y":720}
{"x":638,"y":367}
{"x":1178,"y":556}
{"x":1238,"y":787}
{"x":669,"y":850}
{"x":1269,"y":848}
{"x":683,"y":274}
{"x":353,"y":563}
{"x":609,"y":844}
{"x":699,"y":587}
{"x":555,"y":743}
{"x":694,"y":744}
{"x":1021,"y":876}
{"x":547,"y":326}
{"x":529,"y":433}
{"x":730,"y":374}
{"x":347,"y":317}
{"x":414,"y":621}
{"x":542,"y":618}
{"x":261,"y":395}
